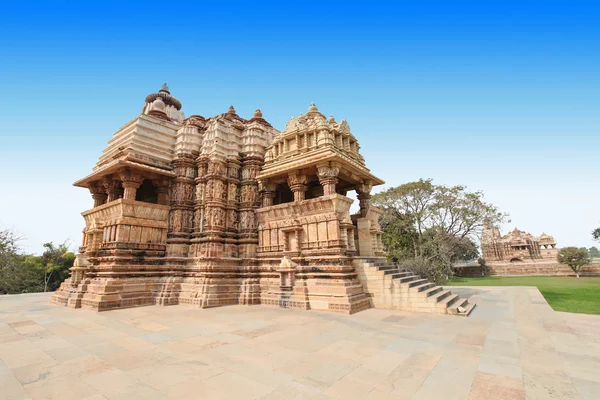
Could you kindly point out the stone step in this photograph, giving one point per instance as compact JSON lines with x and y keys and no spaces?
{"x":411,"y":292}
{"x":453,"y":308}
{"x":447,"y":301}
{"x":432,"y":291}
{"x":468,"y":309}
{"x":406,"y":279}
{"x":401,"y":274}
{"x":422,"y":287}
{"x":390,"y":271}
{"x":440,"y":295}
{"x":416,"y":282}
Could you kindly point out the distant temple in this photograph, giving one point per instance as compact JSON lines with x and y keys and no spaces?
{"x":516,"y":246}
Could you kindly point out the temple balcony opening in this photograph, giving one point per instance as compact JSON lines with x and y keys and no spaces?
{"x":147,"y":193}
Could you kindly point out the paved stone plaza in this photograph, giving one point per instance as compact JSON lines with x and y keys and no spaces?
{"x":512,"y":346}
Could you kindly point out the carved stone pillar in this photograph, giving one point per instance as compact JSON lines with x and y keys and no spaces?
{"x":131,"y":181}
{"x":181,"y":214}
{"x":162,"y":188}
{"x":98,"y":193}
{"x":209,"y":237}
{"x":328,"y":178}
{"x":297,"y":184}
{"x":249,"y":202}
{"x":202,"y":163}
{"x":364,"y":197}
{"x":130,"y":190}
{"x":267,"y":190}
{"x":113,"y":188}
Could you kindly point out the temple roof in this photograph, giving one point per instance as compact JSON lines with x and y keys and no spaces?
{"x":312,"y":139}
{"x":114,"y":166}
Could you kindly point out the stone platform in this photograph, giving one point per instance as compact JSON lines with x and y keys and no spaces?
{"x":513,"y":346}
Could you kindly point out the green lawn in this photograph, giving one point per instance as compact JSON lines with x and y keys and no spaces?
{"x":579,"y":295}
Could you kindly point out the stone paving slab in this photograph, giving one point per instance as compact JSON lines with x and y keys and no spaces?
{"x":513,"y":346}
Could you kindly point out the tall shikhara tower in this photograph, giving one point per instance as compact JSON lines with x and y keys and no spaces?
{"x":225,"y":210}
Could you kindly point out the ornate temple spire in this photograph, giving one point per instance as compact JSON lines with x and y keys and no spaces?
{"x":164,"y":89}
{"x":166,"y":97}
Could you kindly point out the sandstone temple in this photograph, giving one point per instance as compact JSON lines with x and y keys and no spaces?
{"x":227,"y":210}
{"x":517,"y":246}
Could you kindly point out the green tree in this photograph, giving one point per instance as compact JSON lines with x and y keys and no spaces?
{"x":25,"y":273}
{"x":433,"y":226}
{"x":574,"y":258}
{"x":594,"y":252}
{"x":596,"y":234}
{"x":17,"y":272}
{"x":55,"y":262}
{"x":399,"y":235}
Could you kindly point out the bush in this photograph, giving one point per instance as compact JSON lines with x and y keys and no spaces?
{"x":435,"y":272}
{"x":485,"y":269}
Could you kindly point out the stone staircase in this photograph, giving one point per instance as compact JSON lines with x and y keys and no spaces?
{"x":391,"y":288}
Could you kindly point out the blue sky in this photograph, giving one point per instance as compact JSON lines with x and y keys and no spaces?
{"x":501,"y":96}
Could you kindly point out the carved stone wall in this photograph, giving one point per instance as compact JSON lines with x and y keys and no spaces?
{"x":310,"y":228}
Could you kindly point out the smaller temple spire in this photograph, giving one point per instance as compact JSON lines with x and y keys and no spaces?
{"x":164,"y":89}
{"x":312,"y":108}
{"x":331,"y":119}
{"x":231,"y":110}
{"x":258,"y":113}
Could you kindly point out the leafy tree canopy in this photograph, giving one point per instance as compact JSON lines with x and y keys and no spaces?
{"x":56,"y":261}
{"x":596,"y":234}
{"x":436,"y":224}
{"x":25,"y":273}
{"x":574,"y":257}
{"x":594,"y":252}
